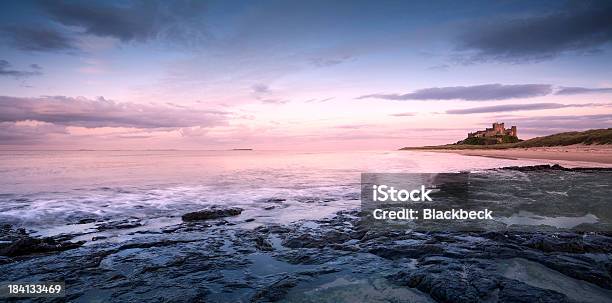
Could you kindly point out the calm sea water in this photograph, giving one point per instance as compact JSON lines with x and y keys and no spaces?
{"x":45,"y":191}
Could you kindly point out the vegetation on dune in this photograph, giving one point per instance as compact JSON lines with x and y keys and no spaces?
{"x":589,"y":137}
{"x":593,"y":136}
{"x":488,"y":141}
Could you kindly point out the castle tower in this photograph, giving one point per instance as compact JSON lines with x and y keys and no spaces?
{"x":498,"y":128}
{"x":513,"y":131}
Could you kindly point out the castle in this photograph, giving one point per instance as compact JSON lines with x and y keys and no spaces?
{"x":497,"y":132}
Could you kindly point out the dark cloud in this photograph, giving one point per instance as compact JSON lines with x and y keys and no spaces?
{"x":582,"y":90}
{"x":103,"y":113}
{"x":130,"y":21}
{"x":585,"y":27}
{"x":471,"y":93}
{"x":329,"y":61}
{"x":39,"y":38}
{"x":518,"y":107}
{"x":12,"y":133}
{"x":5,"y":70}
{"x":260,"y":88}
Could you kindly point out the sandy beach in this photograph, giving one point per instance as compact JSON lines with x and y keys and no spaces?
{"x":579,"y":153}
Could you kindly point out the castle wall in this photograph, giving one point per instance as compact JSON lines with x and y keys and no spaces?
{"x":497,"y":129}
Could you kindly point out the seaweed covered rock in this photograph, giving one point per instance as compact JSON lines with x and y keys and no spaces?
{"x":212,"y":213}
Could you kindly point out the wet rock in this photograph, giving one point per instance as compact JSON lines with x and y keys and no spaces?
{"x":122,"y":224}
{"x":212,"y":213}
{"x":272,"y":200}
{"x":447,"y":266}
{"x":547,"y":167}
{"x":170,"y":229}
{"x":232,"y":286}
{"x":303,"y":241}
{"x":412,"y":251}
{"x":273,"y":228}
{"x":262,"y":243}
{"x":579,"y":267}
{"x":310,"y":256}
{"x":17,"y":242}
{"x":452,"y":282}
{"x":86,"y":221}
{"x":308,"y":240}
{"x":319,"y":271}
{"x":222,"y":222}
{"x":27,"y":245}
{"x":249,"y":220}
{"x":570,"y":243}
{"x":352,"y":196}
{"x":512,"y":291}
{"x":543,"y":167}
{"x":276,"y":290}
{"x":306,"y":199}
{"x":467,"y":282}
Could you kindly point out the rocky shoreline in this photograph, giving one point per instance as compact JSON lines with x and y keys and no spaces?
{"x":218,"y":255}
{"x":202,"y":263}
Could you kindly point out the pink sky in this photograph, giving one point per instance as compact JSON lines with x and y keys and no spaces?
{"x":235,"y":75}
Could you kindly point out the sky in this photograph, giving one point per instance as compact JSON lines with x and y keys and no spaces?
{"x":298,"y":75}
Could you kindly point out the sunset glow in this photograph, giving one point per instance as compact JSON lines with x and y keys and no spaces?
{"x":310,"y":75}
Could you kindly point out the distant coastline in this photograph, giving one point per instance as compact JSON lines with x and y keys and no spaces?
{"x":593,"y":146}
{"x":589,"y":137}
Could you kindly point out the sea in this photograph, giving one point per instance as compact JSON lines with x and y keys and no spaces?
{"x":48,"y":192}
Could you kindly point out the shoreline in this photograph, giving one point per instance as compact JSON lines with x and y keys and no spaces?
{"x":600,"y":154}
{"x":188,"y":252}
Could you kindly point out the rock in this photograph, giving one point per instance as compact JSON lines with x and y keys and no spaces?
{"x":446,"y":266}
{"x":86,"y":221}
{"x":273,"y":228}
{"x":547,"y":167}
{"x":308,"y":240}
{"x":262,"y":243}
{"x":27,"y":245}
{"x":537,"y":168}
{"x":310,"y":256}
{"x":458,"y":282}
{"x":448,"y":283}
{"x":306,"y":199}
{"x":276,"y":290}
{"x":17,"y":242}
{"x":570,"y":243}
{"x":319,"y":271}
{"x":512,"y":291}
{"x":212,"y":213}
{"x":122,"y":224}
{"x":272,"y":200}
{"x":584,"y":268}
{"x":413,"y":251}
